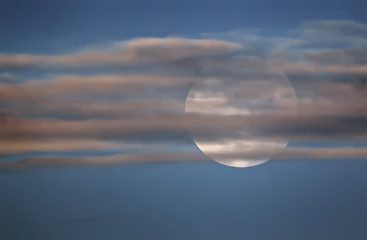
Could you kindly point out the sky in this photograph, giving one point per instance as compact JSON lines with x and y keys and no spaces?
{"x":99,"y":142}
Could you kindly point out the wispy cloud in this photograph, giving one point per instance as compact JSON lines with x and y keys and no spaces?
{"x":326,"y":61}
{"x":136,"y":51}
{"x":166,"y":157}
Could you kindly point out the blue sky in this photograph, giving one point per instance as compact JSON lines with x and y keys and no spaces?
{"x":50,"y":26}
{"x":64,"y":43}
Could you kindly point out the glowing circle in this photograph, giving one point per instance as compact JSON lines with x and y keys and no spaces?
{"x":236,"y":103}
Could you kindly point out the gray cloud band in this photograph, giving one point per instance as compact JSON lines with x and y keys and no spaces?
{"x":108,"y":110}
{"x":287,"y":154}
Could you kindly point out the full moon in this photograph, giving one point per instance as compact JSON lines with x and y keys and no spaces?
{"x":242,"y":105}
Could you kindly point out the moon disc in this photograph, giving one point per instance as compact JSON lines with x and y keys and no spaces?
{"x":238,"y":103}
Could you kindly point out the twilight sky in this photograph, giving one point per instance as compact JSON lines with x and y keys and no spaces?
{"x":95,"y":140}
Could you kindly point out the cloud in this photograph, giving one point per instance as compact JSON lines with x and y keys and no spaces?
{"x":139,"y":108}
{"x":6,"y":78}
{"x":164,"y":157}
{"x":213,"y":127}
{"x":19,"y":60}
{"x":79,"y":85}
{"x":31,"y":145}
{"x":340,"y":56}
{"x":136,"y":51}
{"x":335,"y":28}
